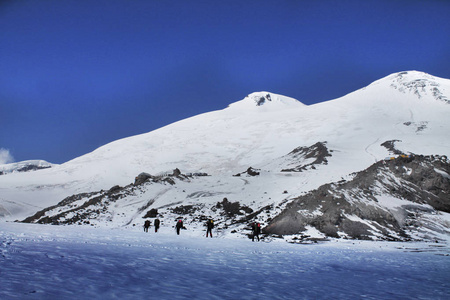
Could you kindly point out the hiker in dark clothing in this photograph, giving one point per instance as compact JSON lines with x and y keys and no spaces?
{"x":256,"y":230}
{"x":146,"y":225}
{"x":209,"y":226}
{"x":179,"y":226}
{"x":157,"y":222}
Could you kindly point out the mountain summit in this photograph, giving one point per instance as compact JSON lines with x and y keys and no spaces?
{"x":266,"y":101}
{"x":420,"y":84}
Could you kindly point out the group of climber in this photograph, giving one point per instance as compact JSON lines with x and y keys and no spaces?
{"x":209,"y":227}
{"x":179,"y":225}
{"x":255,"y":227}
{"x":147,"y":225}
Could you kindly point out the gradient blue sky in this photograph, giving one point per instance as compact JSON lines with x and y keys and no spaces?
{"x":75,"y":75}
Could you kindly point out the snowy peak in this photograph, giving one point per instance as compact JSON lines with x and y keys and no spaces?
{"x":420,"y":84}
{"x":265,"y":101}
{"x":24,"y":166}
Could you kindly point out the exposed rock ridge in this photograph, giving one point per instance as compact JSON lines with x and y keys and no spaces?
{"x":360,"y":208}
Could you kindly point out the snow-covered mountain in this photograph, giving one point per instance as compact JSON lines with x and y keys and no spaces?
{"x":292,"y":149}
{"x":25,"y":166}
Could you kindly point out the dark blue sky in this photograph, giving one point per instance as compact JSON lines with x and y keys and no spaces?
{"x":75,"y":75}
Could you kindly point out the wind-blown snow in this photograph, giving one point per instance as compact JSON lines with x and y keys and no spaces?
{"x":68,"y":262}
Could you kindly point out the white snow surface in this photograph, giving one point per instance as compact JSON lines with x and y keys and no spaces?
{"x":78,"y":262}
{"x":411,"y":107}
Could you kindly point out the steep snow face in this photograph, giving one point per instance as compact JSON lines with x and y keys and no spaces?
{"x":258,"y":131}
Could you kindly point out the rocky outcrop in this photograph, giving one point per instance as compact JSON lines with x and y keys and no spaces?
{"x":263,"y":100}
{"x":85,"y":207}
{"x":250,"y":172}
{"x":390,"y":146}
{"x":305,"y":158}
{"x":389,"y":200}
{"x":231,"y":209}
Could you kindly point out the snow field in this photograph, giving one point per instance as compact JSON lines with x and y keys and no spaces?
{"x":71,"y":262}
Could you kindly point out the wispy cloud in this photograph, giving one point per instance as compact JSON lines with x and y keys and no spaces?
{"x":5,"y":156}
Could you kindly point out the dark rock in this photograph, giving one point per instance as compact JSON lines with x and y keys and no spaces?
{"x":176,"y":172}
{"x":319,"y":151}
{"x":250,"y":171}
{"x":263,"y":100}
{"x":408,"y":177}
{"x":141,"y":178}
{"x":152,"y":213}
{"x":390,"y":145}
{"x":185,"y":209}
{"x":232,"y":209}
{"x":115,"y":189}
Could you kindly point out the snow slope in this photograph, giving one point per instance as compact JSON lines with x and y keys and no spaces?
{"x":258,"y":131}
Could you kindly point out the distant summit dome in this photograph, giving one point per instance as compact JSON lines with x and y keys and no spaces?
{"x":25,"y":166}
{"x":420,"y":84}
{"x":266,"y":101}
